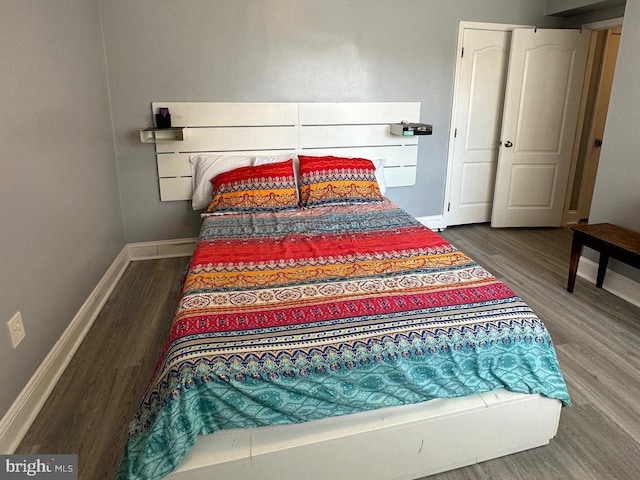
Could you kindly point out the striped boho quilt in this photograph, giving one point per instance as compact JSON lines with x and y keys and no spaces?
{"x":299,"y":315}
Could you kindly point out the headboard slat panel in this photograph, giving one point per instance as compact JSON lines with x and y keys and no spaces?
{"x":232,"y":139}
{"x":394,"y":156}
{"x":221,"y":114}
{"x":358,"y":113}
{"x":322,"y":136}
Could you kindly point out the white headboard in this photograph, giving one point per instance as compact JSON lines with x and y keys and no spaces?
{"x":344,"y":129}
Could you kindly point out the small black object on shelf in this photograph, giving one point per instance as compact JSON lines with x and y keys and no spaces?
{"x":163,"y":118}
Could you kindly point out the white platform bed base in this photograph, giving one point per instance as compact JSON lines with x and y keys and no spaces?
{"x":393,"y":443}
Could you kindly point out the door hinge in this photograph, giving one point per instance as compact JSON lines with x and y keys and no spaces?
{"x":462,"y":54}
{"x":449,"y":207}
{"x":455,"y":133}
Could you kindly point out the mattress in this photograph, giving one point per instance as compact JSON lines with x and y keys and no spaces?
{"x":299,"y":315}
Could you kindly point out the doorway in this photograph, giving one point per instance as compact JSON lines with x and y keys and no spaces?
{"x":471,"y":180}
{"x":604,"y":52}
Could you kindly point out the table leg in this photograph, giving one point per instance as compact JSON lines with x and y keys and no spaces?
{"x":576,"y":251}
{"x":602,"y":268}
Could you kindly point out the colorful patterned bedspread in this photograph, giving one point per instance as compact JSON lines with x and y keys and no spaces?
{"x":295,"y":316}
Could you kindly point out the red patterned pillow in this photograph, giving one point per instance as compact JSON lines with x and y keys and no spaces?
{"x":250,"y":189}
{"x":327,"y":180}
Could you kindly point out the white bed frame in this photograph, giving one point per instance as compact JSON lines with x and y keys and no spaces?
{"x":393,"y":443}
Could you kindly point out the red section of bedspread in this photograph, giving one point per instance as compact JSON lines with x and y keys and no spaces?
{"x":375,"y":305}
{"x":283,"y":277}
{"x":297,"y":247}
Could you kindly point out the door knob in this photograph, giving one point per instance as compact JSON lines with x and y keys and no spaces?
{"x":508,"y":144}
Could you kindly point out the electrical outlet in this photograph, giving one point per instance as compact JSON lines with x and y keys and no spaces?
{"x":16,"y":330}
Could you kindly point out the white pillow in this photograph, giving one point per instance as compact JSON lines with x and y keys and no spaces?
{"x":206,"y":166}
{"x":379,"y":164}
{"x":266,"y":159}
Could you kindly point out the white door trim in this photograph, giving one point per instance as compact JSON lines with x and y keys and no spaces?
{"x":463,"y":25}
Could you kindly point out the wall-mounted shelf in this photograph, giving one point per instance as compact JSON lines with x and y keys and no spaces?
{"x":406,"y":129}
{"x":172,"y":134}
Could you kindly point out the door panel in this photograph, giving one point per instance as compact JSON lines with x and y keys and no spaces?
{"x":532,"y":186}
{"x":544,"y":83}
{"x":480,"y":92}
{"x":478,"y":179}
{"x":540,"y":98}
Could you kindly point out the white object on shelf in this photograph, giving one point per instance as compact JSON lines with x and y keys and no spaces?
{"x":171,"y":134}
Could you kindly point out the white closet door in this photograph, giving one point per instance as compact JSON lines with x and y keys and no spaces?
{"x":480,"y":97}
{"x":544,"y":84}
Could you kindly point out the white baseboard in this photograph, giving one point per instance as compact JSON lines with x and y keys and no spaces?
{"x":619,"y":285}
{"x":18,"y":419}
{"x":181,"y":247}
{"x":434,"y":222}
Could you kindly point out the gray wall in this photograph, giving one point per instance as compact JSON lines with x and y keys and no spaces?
{"x":617,"y":192}
{"x":60,"y":212}
{"x":284,"y":51}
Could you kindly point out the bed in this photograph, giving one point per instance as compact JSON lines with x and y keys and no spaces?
{"x":342,"y":339}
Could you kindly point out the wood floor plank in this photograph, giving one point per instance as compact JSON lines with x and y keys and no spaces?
{"x":601,"y":382}
{"x":578,"y":452}
{"x":597,"y":337}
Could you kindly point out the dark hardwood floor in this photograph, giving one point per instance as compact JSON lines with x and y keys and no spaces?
{"x":597,"y":337}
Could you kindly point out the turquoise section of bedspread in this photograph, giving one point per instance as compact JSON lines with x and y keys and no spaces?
{"x":208,"y":404}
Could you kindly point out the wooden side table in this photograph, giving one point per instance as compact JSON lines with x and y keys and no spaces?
{"x":610,"y":240}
